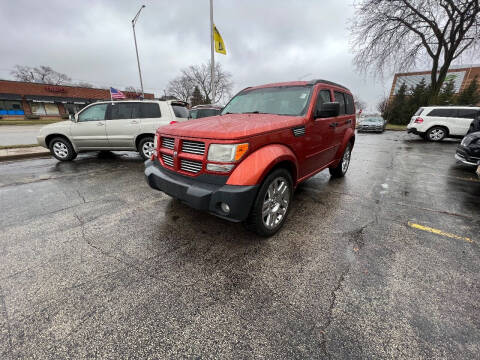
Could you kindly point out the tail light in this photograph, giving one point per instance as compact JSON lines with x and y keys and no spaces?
{"x":173,"y":122}
{"x":418,"y":120}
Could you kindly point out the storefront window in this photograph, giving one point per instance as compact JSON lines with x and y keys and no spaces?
{"x":51,"y":109}
{"x":9,"y":107}
{"x":38,"y":108}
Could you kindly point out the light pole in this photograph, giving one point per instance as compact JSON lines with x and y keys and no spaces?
{"x":134,"y":21}
{"x":212,"y":54}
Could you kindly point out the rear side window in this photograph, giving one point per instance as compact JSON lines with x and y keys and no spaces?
{"x":467,"y":113}
{"x":149,"y":110}
{"x":207,"y":112}
{"x":349,"y":102}
{"x":419,"y":112}
{"x":180,"y":111}
{"x":123,"y":111}
{"x":341,"y":100}
{"x":443,"y":112}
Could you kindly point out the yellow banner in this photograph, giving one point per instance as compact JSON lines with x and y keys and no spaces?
{"x":219,"y":44}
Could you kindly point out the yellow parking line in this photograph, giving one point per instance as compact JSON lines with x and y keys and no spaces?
{"x":439,"y":232}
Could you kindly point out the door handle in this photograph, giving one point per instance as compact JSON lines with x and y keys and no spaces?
{"x":100,"y":124}
{"x":349,"y":121}
{"x":333,"y":124}
{"x":134,"y":122}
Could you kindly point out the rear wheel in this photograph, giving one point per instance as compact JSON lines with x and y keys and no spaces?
{"x":436,"y":133}
{"x":146,"y":147}
{"x":62,"y":149}
{"x":272,"y":203}
{"x":341,"y":169}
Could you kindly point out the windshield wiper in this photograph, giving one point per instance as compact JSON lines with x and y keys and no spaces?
{"x":253,"y":112}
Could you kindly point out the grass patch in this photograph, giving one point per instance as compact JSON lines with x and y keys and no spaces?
{"x":396,"y":127}
{"x":29,"y":122}
{"x":4,"y":147}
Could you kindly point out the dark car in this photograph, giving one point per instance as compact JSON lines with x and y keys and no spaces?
{"x":201,"y":111}
{"x":371,"y":124}
{"x":468,"y":152}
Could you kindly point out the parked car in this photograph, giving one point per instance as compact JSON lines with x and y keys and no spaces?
{"x":371,"y":124}
{"x":201,"y":111}
{"x":436,"y":123}
{"x":107,"y":125}
{"x":245,"y":164}
{"x":468,"y":152}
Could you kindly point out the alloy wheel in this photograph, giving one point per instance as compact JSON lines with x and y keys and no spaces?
{"x":60,"y":149}
{"x":437,"y":134}
{"x":346,"y":159}
{"x":275,"y":203}
{"x":148,"y":148}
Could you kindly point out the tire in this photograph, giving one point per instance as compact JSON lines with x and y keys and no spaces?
{"x":341,"y":169}
{"x":272,"y":204}
{"x":145,"y":147}
{"x":436,"y":133}
{"x":62,"y":149}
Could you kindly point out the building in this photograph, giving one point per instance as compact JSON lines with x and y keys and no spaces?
{"x":462,"y":76}
{"x":24,"y":99}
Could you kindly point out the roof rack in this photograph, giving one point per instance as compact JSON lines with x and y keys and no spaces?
{"x":320,"y":81}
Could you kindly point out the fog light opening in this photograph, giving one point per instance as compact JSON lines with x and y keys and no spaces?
{"x":225,"y":208}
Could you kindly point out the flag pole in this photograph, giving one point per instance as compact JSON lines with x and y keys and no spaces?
{"x":212,"y":54}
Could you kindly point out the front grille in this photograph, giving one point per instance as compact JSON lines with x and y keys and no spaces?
{"x":168,"y":143}
{"x":193,"y":147}
{"x":190,"y":166}
{"x":167,"y":159}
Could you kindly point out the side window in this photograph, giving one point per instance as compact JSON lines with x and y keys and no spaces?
{"x":93,"y":113}
{"x":323,"y":97}
{"x":341,"y":100}
{"x":467,"y":113}
{"x":123,"y":111}
{"x":149,"y":110}
{"x":193,"y":114}
{"x":350,"y":104}
{"x":443,"y":112}
{"x":180,"y":111}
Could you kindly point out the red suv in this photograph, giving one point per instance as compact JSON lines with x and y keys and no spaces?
{"x":245,"y":164}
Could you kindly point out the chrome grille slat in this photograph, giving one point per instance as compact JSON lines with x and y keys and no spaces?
{"x":193,"y":147}
{"x":190,"y":166}
{"x":167,"y":159}
{"x":168,"y":143}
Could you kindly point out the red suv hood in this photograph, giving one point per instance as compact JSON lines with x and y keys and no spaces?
{"x":230,"y":126}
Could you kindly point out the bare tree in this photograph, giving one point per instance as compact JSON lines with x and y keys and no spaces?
{"x":397,"y":34}
{"x":42,"y":74}
{"x":359,"y":103}
{"x":382,"y":105}
{"x":84,"y":84}
{"x":133,"y":89}
{"x":199,"y":76}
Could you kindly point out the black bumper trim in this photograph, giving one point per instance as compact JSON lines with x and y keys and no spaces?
{"x":200,"y":195}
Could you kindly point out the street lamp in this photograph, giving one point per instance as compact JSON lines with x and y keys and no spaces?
{"x":134,"y":21}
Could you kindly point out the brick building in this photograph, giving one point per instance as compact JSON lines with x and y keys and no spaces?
{"x":462,"y":76}
{"x":19,"y":99}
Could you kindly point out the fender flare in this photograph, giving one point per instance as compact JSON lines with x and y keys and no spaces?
{"x":258,"y":164}
{"x":348,"y":137}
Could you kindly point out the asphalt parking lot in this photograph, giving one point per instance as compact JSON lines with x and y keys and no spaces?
{"x":381,"y":264}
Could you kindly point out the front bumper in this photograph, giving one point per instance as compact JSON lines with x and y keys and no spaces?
{"x":202,"y":195}
{"x":464,"y":157}
{"x":41,"y":141}
{"x":370,"y":129}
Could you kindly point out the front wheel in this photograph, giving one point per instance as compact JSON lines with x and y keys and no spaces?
{"x":62,"y":149}
{"x":146,"y":147}
{"x":341,"y":169}
{"x":272,"y":203}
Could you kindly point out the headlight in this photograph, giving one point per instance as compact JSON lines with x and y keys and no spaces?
{"x":226,"y":152}
{"x":466,"y":141}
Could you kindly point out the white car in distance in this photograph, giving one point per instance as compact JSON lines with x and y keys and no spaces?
{"x":435,"y":123}
{"x":111,"y":125}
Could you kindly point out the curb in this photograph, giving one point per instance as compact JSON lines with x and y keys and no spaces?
{"x":24,"y":156}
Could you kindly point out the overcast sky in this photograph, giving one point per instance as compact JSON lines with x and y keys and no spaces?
{"x":267,"y":41}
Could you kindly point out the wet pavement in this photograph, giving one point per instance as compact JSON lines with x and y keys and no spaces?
{"x":19,"y":134}
{"x":381,"y":264}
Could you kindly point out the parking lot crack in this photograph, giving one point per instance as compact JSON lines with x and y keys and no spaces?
{"x":333,"y":300}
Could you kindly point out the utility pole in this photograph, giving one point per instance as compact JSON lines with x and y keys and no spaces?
{"x":212,"y":54}
{"x":134,"y":21}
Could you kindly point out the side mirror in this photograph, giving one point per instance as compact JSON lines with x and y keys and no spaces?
{"x":329,"y":109}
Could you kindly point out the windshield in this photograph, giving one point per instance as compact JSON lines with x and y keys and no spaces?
{"x":285,"y":100}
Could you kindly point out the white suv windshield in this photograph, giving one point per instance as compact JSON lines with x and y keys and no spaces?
{"x":284,"y":100}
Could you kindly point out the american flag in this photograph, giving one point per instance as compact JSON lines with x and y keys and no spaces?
{"x":117,"y":94}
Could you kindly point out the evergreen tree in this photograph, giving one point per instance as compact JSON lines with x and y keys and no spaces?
{"x":197,"y":98}
{"x":469,"y":95}
{"x":447,"y":94}
{"x":395,"y":113}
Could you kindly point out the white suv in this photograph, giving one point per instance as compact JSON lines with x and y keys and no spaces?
{"x":435,"y":123}
{"x":111,"y":125}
